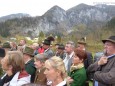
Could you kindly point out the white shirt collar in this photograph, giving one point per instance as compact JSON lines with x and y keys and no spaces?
{"x":46,"y":50}
{"x":27,"y":61}
{"x":62,"y":83}
{"x":71,"y":55}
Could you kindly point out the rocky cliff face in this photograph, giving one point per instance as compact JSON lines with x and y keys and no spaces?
{"x":58,"y":20}
{"x":53,"y":20}
{"x":86,"y":14}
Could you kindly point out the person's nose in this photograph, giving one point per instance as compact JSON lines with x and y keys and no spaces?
{"x":45,"y":72}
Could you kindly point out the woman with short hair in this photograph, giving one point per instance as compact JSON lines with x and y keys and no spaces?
{"x":77,"y":71}
{"x":13,"y":65}
{"x":40,"y":77}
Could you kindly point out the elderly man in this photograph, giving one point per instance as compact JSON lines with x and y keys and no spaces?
{"x":89,"y":60}
{"x":69,"y":49}
{"x":60,"y":51}
{"x":47,"y":48}
{"x":105,"y":68}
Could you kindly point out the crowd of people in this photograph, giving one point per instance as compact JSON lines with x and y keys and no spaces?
{"x":68,"y":65}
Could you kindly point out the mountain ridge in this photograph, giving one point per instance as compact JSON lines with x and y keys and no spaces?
{"x":12,"y":16}
{"x":57,"y":20}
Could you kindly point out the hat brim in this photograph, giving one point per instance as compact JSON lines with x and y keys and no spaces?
{"x":46,"y":44}
{"x":108,"y":40}
{"x":84,"y":43}
{"x":28,"y":54}
{"x":61,"y":48}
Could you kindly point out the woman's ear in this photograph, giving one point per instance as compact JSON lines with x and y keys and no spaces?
{"x":81,"y":60}
{"x":58,"y":72}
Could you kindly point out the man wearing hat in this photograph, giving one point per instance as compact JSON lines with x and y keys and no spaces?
{"x":29,"y":62}
{"x":6,"y":46}
{"x":60,"y":51}
{"x":82,"y":46}
{"x":2,"y":54}
{"x":47,"y":49}
{"x":105,"y":68}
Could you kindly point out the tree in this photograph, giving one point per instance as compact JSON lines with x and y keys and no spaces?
{"x":41,"y":36}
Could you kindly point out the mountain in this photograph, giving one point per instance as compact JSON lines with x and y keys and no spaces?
{"x":12,"y":16}
{"x":53,"y":19}
{"x":58,"y":21}
{"x":86,"y":14}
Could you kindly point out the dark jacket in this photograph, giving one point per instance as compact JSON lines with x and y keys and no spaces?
{"x":62,"y":55}
{"x":49,"y":52}
{"x":30,"y":68}
{"x":87,"y":63}
{"x":89,"y":60}
{"x":6,"y":79}
{"x":105,"y":75}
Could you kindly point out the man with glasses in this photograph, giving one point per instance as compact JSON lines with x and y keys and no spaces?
{"x":104,"y":69}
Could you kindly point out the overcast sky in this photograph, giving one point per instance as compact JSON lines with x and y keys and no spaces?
{"x":39,"y":7}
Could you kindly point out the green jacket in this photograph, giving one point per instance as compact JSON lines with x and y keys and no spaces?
{"x":79,"y":77}
{"x":30,"y":68}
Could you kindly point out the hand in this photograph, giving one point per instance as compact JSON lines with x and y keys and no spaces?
{"x":103,"y":60}
{"x":69,"y":79}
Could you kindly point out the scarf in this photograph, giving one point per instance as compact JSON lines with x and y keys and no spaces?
{"x":75,"y":67}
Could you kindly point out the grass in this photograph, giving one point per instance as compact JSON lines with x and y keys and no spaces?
{"x":90,"y":83}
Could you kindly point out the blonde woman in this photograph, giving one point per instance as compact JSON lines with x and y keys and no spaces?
{"x":13,"y":65}
{"x":55,"y":71}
